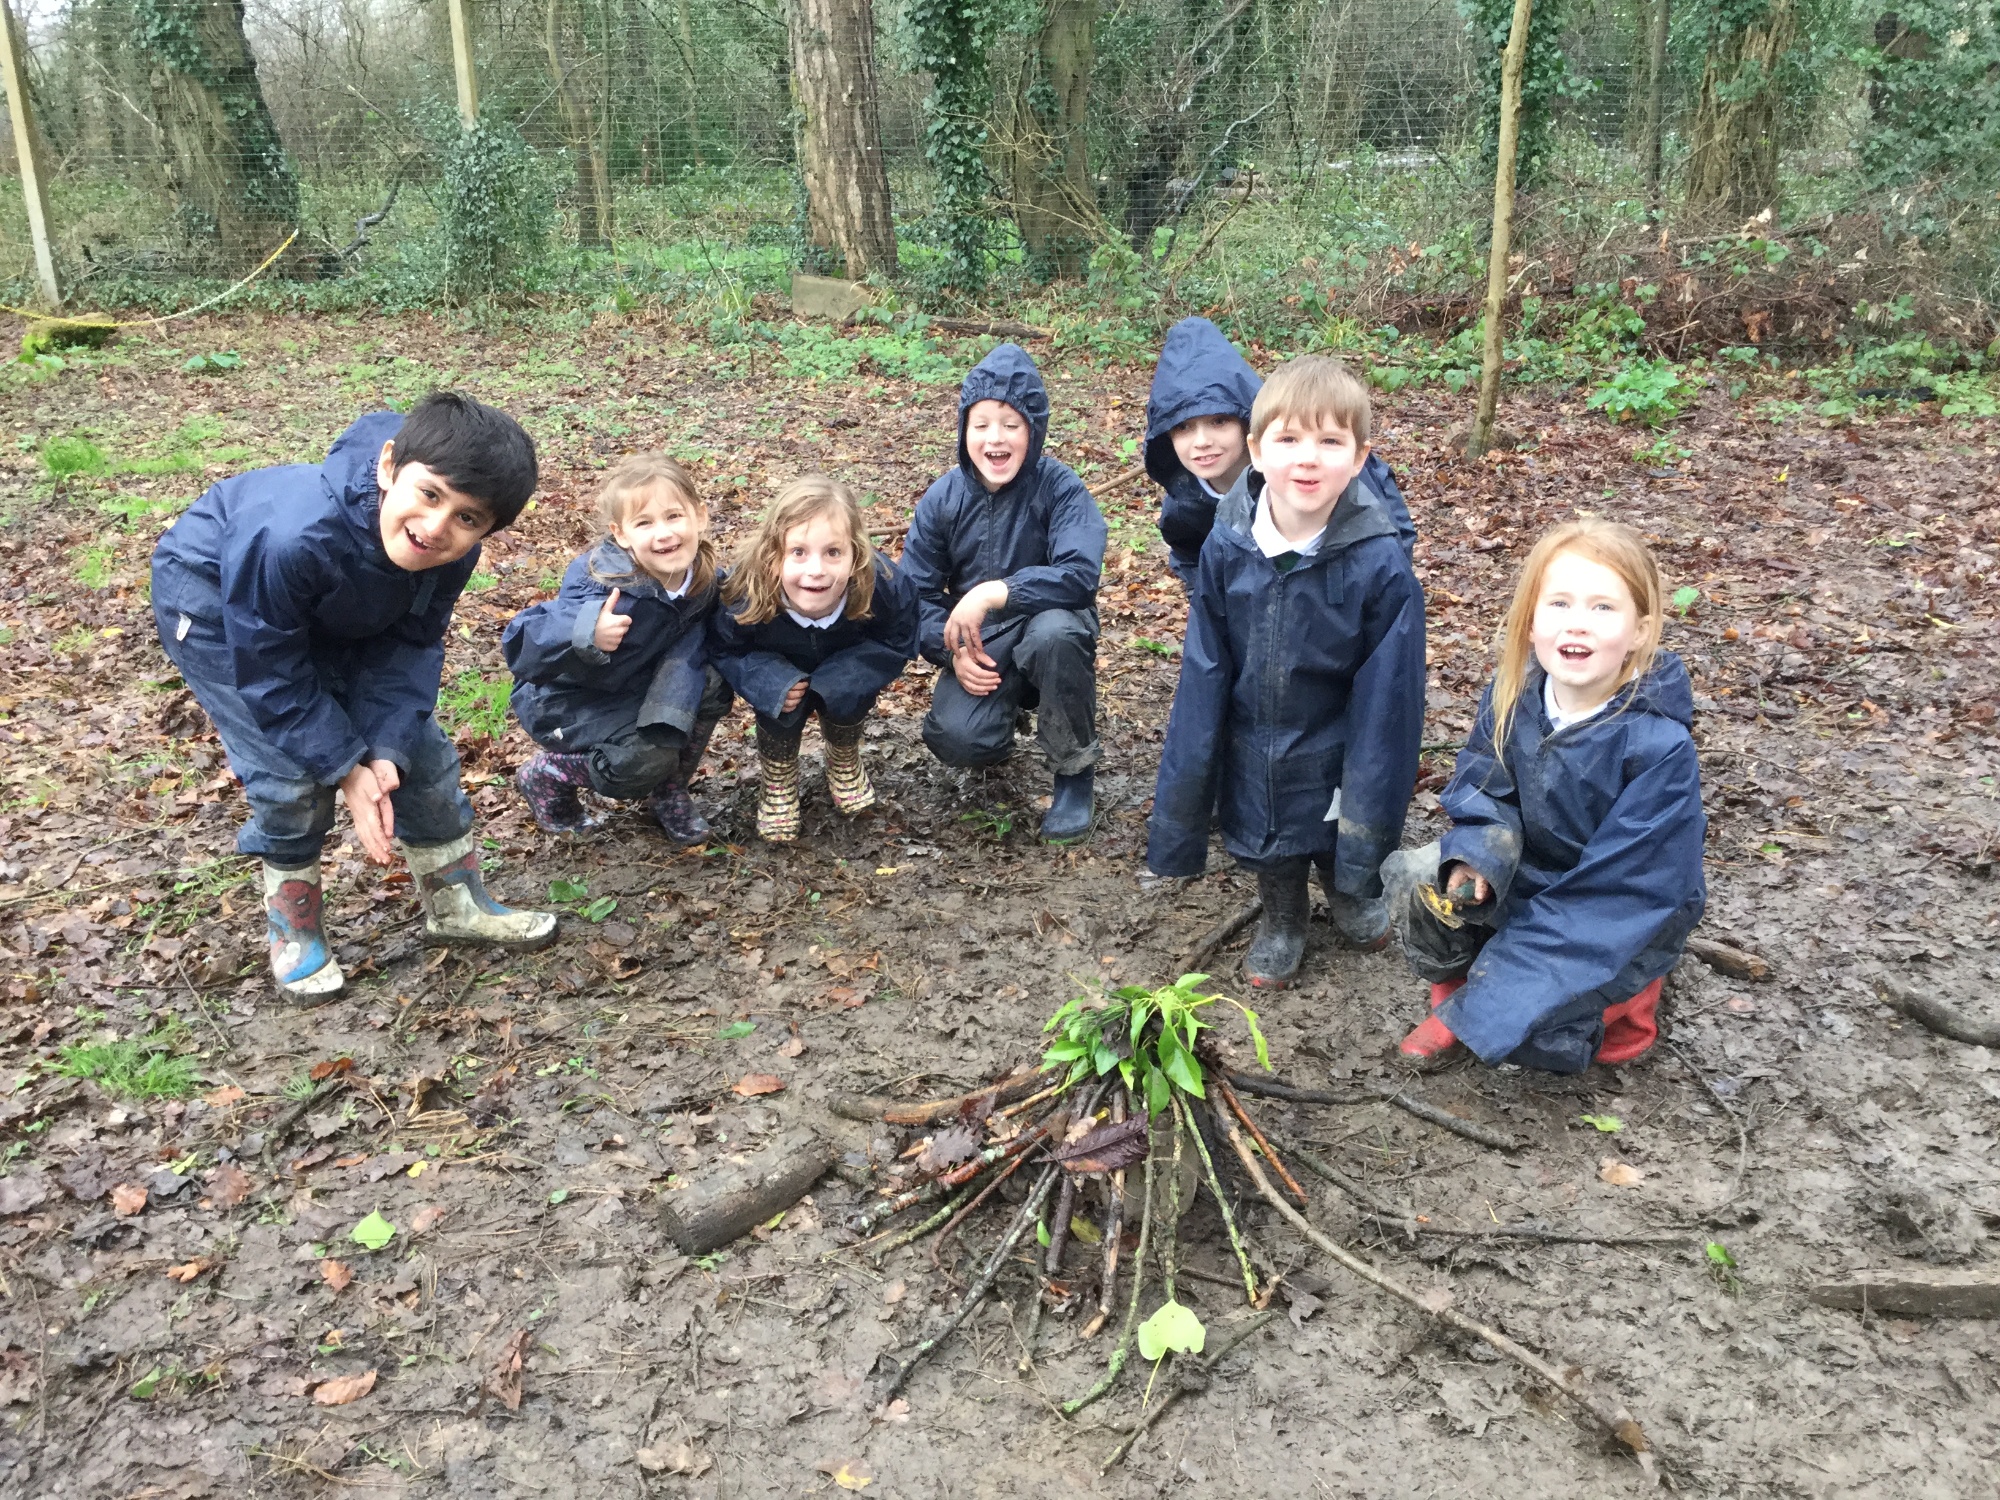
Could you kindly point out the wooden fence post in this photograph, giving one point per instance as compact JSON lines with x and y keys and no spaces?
{"x":1511,"y":63}
{"x":461,"y":64}
{"x":28,"y":152}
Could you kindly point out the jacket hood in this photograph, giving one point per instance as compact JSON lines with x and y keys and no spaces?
{"x":1360,"y":513}
{"x":1665,"y":690}
{"x":1200,"y":374}
{"x":1007,"y":374}
{"x":350,"y":470}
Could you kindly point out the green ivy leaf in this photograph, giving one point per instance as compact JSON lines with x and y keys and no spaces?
{"x":601,"y":908}
{"x":1685,"y":597}
{"x":1609,"y":1124}
{"x":736,"y":1029}
{"x":1173,"y":1327}
{"x":373,"y":1232}
{"x":146,"y":1384}
{"x":568,"y":890}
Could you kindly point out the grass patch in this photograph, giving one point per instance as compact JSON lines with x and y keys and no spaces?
{"x":69,"y":456}
{"x":143,"y":1067}
{"x":475,"y":704}
{"x":96,"y":565}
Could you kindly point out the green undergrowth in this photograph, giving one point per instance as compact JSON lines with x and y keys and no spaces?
{"x":150,"y":1066}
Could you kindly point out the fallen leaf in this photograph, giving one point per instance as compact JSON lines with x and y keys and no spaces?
{"x":222,"y":1098}
{"x":682,"y":1458}
{"x":752,"y":1084}
{"x":846,"y":1472}
{"x":127,"y":1199}
{"x":1107,"y":1148}
{"x":21,"y":1191}
{"x":425,"y":1219}
{"x":1437,"y":1298}
{"x":1618,"y":1173}
{"x":343,"y":1389}
{"x":896,"y":1411}
{"x":336,"y":1274}
{"x":18,"y":1376}
{"x":321,"y":1071}
{"x":792,"y":1047}
{"x":949,"y":1147}
{"x":504,"y":1384}
{"x":351,"y":1161}
{"x":190,"y":1270}
{"x":229,"y":1185}
{"x":373,"y":1232}
{"x":894,"y":1292}
{"x":1174,"y":1326}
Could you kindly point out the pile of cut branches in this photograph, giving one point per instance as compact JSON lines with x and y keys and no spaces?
{"x":1132,"y":1079}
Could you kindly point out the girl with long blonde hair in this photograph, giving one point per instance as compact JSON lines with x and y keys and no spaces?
{"x":815,"y":620}
{"x":611,"y":676}
{"x":1572,"y":874}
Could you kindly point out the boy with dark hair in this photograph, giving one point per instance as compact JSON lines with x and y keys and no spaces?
{"x":1197,"y":442}
{"x":1004,"y":553}
{"x":305,"y":607}
{"x":1300,"y":708}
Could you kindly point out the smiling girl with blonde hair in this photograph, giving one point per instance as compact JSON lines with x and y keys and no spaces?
{"x":1572,"y":873}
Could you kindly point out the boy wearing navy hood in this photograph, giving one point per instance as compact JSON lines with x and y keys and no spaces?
{"x":305,"y":607}
{"x":1004,"y":552}
{"x":1300,"y":707}
{"x":1197,"y":441}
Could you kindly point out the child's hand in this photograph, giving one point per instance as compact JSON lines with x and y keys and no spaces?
{"x":961,"y":629}
{"x":367,"y":788}
{"x":977,"y":672}
{"x":611,"y":626}
{"x":1460,"y":876}
{"x":797,"y":695}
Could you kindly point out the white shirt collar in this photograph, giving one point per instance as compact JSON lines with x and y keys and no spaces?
{"x":1271,"y":541}
{"x":681,"y":592}
{"x":1557,"y":718}
{"x":825,"y":622}
{"x":1209,"y":490}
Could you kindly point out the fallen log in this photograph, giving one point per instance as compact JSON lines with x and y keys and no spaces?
{"x":1916,"y":1293}
{"x":741,"y":1194}
{"x":1737,"y":963}
{"x":1935,"y":1015}
{"x":869,"y":1108}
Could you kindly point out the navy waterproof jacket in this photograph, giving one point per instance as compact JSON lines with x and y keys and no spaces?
{"x":847,"y":663}
{"x":1591,"y":838}
{"x":1041,"y":532}
{"x":1294,"y":686}
{"x":289,"y":561}
{"x":1201,"y":374}
{"x":568,"y":694}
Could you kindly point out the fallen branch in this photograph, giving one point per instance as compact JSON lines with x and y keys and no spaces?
{"x":1220,"y":935}
{"x":1001,"y":330}
{"x":1935,"y":1015}
{"x":1615,"y":1421}
{"x":869,"y":1108}
{"x":1117,"y":481}
{"x":1380,"y":1094}
{"x":1737,"y":963}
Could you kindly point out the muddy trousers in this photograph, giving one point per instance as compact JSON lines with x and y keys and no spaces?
{"x":291,"y":812}
{"x":1048,"y":662}
{"x":628,"y":763}
{"x":1565,"y":1041}
{"x":779,"y":736}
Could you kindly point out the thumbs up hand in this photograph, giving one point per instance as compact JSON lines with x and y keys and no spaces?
{"x":611,"y":626}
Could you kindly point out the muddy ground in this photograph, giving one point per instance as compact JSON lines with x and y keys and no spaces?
{"x":514,"y":1120}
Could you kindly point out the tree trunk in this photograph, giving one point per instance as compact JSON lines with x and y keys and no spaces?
{"x":684,"y":21}
{"x":1733,"y":166}
{"x":586,"y":139}
{"x":1656,"y":102}
{"x":1048,"y":146}
{"x":1511,"y":65}
{"x":227,"y":169}
{"x":840,"y":134}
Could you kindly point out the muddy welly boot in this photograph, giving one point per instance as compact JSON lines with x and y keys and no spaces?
{"x":1072,"y":808}
{"x":1431,"y":1038}
{"x":1280,"y":945}
{"x":672,"y":804}
{"x":551,"y":783}
{"x":778,"y":794}
{"x":846,"y":778}
{"x":457,"y":908}
{"x":301,"y":962}
{"x":1631,"y":1027}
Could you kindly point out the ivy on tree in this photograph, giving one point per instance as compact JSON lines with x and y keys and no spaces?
{"x":1545,"y":77}
{"x":950,"y":44}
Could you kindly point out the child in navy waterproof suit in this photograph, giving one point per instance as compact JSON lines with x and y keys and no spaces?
{"x":305,"y":608}
{"x":1300,"y":706}
{"x":1197,"y":441}
{"x":611,"y":676}
{"x":1004,"y":552}
{"x":815,"y":621}
{"x":1572,"y":872}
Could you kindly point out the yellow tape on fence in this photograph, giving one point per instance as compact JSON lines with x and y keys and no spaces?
{"x":42,"y":317}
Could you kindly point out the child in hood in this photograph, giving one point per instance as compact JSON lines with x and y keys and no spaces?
{"x":1197,"y":441}
{"x":611,"y":676}
{"x":305,"y":607}
{"x":1300,"y":707}
{"x":1004,"y":552}
{"x":815,"y":621}
{"x":1572,"y":873}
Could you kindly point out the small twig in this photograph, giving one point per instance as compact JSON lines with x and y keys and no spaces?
{"x":1031,"y":1211}
{"x":1616,"y":1422}
{"x":1221,"y":935}
{"x":1117,"y":481}
{"x":1122,"y":1352}
{"x":896,"y":1239}
{"x":1114,"y":1228}
{"x":869,"y":1108}
{"x":1382,"y":1094}
{"x":1222,"y":1202}
{"x":1935,"y":1015}
{"x":1263,"y":1143}
{"x":1187,"y":1381}
{"x":937,"y":1246}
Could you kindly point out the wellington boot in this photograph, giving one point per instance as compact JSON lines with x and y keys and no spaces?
{"x":1432,"y":1040}
{"x":674,"y":810}
{"x":1072,"y":809}
{"x":301,"y":962}
{"x":552,"y":784}
{"x":846,"y":778}
{"x":1280,"y":945}
{"x":457,"y":908}
{"x":778,"y":797}
{"x":1631,"y":1027}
